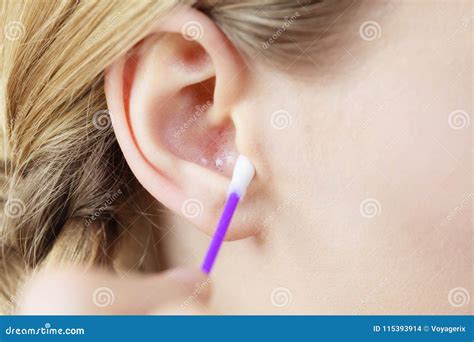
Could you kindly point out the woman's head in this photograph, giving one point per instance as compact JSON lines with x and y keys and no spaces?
{"x":110,"y":107}
{"x":66,"y":178}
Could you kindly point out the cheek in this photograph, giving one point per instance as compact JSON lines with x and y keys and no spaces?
{"x":274,"y":126}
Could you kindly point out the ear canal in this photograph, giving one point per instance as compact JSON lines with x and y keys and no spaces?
{"x":190,"y":135}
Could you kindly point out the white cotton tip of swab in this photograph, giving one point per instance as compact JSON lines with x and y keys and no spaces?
{"x":241,"y":176}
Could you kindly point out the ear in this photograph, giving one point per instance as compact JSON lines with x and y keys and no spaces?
{"x":172,"y":101}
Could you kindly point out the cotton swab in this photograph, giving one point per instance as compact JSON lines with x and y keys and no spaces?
{"x":241,"y":178}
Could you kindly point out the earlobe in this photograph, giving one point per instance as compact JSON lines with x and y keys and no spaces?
{"x":172,"y":101}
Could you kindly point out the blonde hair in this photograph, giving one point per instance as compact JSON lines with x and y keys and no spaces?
{"x":68,"y":194}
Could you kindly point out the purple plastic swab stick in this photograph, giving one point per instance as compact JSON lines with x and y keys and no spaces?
{"x":241,"y":177}
{"x":221,"y":230}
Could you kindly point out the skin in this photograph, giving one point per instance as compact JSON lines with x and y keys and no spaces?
{"x":378,"y":128}
{"x":369,"y":124}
